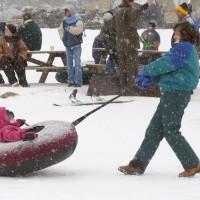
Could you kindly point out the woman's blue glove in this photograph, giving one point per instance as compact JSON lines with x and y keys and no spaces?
{"x":143,"y":82}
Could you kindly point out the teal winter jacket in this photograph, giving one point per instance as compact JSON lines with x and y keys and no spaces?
{"x":177,"y":69}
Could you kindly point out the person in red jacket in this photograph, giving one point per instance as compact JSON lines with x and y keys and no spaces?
{"x":10,"y":130}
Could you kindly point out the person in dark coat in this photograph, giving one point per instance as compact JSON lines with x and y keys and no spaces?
{"x":127,"y":43}
{"x":2,"y":32}
{"x":98,"y":43}
{"x":150,"y":39}
{"x":30,"y":33}
{"x":13,"y":54}
{"x":177,"y":74}
{"x":109,"y":37}
{"x":106,"y":39}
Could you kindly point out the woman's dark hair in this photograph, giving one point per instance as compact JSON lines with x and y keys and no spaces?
{"x":188,"y":32}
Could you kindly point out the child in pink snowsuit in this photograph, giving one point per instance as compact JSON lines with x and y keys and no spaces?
{"x":11,"y":132}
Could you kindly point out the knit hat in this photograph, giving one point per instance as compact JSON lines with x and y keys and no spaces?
{"x":26,"y":16}
{"x":71,"y":9}
{"x":107,"y":16}
{"x":183,"y":8}
{"x":12,"y":28}
{"x":153,"y":23}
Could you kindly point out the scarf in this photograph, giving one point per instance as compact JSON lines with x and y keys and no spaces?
{"x":72,"y":19}
{"x":14,"y":40}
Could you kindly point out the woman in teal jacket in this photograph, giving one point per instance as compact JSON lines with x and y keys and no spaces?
{"x":177,"y":74}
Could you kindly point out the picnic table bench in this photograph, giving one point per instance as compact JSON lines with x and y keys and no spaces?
{"x":110,"y":85}
{"x":47,"y":66}
{"x":100,"y":67}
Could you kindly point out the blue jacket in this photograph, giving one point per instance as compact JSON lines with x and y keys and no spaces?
{"x":178,"y":69}
{"x":70,"y":40}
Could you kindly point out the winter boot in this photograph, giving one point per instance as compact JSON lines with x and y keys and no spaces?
{"x":1,"y":80}
{"x":190,"y":172}
{"x":129,"y":170}
{"x":20,"y":71}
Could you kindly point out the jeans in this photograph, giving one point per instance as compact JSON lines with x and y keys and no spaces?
{"x":74,"y":74}
{"x":110,"y":68}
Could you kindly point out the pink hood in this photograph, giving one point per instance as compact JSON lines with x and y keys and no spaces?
{"x":9,"y":132}
{"x":4,"y":121}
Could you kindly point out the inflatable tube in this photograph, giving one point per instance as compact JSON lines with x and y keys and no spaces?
{"x":56,"y":141}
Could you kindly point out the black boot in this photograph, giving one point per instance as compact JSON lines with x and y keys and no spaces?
{"x":1,"y":79}
{"x":22,"y":77}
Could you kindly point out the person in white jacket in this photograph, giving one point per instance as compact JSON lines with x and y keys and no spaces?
{"x":71,"y":33}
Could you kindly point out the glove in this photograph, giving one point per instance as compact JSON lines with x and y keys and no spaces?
{"x":146,"y":44}
{"x":29,"y":136}
{"x":142,"y":40}
{"x":145,"y":6}
{"x":143,"y":82}
{"x":20,"y":122}
{"x":146,"y":83}
{"x":141,"y":76}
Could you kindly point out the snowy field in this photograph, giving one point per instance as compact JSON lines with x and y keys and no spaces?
{"x":108,"y":139}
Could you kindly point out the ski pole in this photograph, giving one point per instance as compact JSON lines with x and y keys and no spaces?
{"x":80,"y":119}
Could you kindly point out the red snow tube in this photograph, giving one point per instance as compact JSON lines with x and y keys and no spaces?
{"x":56,"y":141}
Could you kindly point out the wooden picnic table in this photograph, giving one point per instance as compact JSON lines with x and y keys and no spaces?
{"x":46,"y":66}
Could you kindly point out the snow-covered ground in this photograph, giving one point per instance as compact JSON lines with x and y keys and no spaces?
{"x":108,"y":139}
